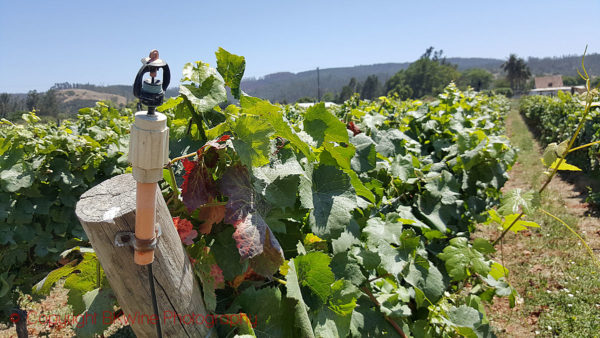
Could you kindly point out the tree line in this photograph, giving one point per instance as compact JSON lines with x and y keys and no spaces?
{"x":44,"y":103}
{"x":431,"y":73}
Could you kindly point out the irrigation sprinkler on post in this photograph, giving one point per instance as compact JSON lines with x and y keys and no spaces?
{"x":148,"y":154}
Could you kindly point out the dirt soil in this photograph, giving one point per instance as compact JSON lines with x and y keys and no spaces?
{"x":516,"y":250}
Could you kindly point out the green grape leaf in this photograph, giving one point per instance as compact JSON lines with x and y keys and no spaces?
{"x":231,"y":67}
{"x":516,"y":200}
{"x":323,"y":126}
{"x":367,"y":320}
{"x":460,"y":260}
{"x":359,"y":187}
{"x":167,"y":177}
{"x":273,"y":114}
{"x":378,"y":230}
{"x":402,"y":168}
{"x":343,"y":297}
{"x":327,"y":323}
{"x":366,"y":258}
{"x":483,"y":245}
{"x":444,"y":188}
{"x":335,"y":319}
{"x":293,"y":291}
{"x":314,"y":272}
{"x":365,"y":157}
{"x":171,"y":103}
{"x":498,"y":271}
{"x":346,"y":267}
{"x":465,"y":317}
{"x":43,"y":287}
{"x":550,"y":154}
{"x":97,"y":301}
{"x":468,"y":322}
{"x":520,"y":225}
{"x":207,"y":89}
{"x":553,"y":151}
{"x":332,"y":198}
{"x":344,"y":242}
{"x":83,"y":280}
{"x":392,"y":260}
{"x":429,"y":281}
{"x":252,"y":140}
{"x":282,"y":191}
{"x":209,"y":273}
{"x":439,"y":215}
{"x":278,"y":182}
{"x":564,"y":166}
{"x":267,"y":307}
{"x":393,"y":306}
{"x":341,"y":154}
{"x":217,"y":130}
{"x":18,"y":177}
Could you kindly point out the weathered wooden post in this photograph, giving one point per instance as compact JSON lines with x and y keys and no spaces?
{"x":109,"y":208}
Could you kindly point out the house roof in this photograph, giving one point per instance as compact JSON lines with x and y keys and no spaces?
{"x":548,"y":81}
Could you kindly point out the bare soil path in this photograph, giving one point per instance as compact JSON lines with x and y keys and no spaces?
{"x":557,"y":279}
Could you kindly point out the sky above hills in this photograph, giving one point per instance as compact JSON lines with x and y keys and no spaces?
{"x":102,"y":42}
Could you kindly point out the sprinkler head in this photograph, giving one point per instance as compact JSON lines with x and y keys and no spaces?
{"x":151,"y":91}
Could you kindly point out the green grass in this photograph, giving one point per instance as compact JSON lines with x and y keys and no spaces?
{"x":557,"y":279}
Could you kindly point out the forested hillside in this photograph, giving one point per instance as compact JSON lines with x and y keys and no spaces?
{"x":289,"y":87}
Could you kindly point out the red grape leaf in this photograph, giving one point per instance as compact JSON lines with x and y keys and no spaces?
{"x":236,"y":186}
{"x":269,"y":261}
{"x":198,"y":185}
{"x":185,"y":230}
{"x":255,"y":241}
{"x":353,"y":128}
{"x":252,"y":235}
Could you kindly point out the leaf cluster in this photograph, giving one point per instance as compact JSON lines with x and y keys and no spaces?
{"x":44,"y":168}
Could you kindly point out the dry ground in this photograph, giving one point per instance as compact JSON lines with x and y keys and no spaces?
{"x":542,"y":261}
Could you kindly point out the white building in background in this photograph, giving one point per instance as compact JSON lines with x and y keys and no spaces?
{"x":310,"y":104}
{"x":550,"y":85}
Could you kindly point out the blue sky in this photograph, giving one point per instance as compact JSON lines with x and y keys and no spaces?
{"x":101,"y":42}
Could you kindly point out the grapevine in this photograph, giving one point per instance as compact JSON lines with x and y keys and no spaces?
{"x":353,"y":220}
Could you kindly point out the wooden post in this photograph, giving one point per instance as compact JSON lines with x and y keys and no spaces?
{"x":109,"y":208}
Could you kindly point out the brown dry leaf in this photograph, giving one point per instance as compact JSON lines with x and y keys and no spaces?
{"x":211,"y":215}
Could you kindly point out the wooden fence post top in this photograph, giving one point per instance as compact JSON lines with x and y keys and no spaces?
{"x":107,"y":200}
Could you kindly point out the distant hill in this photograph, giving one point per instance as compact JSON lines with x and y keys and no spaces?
{"x":71,"y":100}
{"x":125,"y":91}
{"x":564,"y":65}
{"x":289,"y":87}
